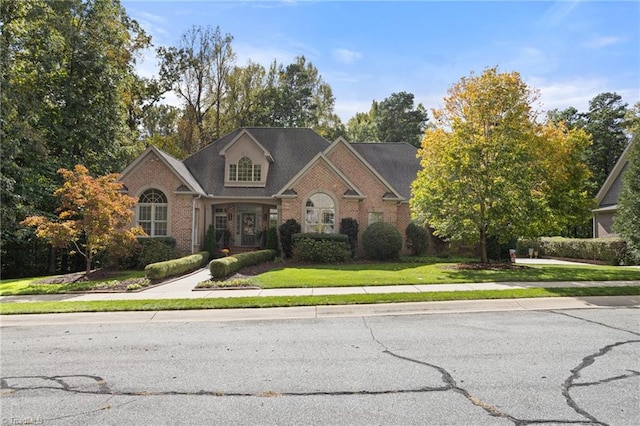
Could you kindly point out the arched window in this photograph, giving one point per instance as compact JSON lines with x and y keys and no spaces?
{"x":152,"y":213}
{"x":320,"y":214}
{"x":245,"y":171}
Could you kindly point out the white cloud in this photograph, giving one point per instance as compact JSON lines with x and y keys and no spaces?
{"x":245,"y":52}
{"x":346,"y":56}
{"x":598,"y":42}
{"x":348,"y":108}
{"x":577,"y":92}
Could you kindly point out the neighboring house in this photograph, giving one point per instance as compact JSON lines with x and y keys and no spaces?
{"x":252,"y":178}
{"x":607,"y":198}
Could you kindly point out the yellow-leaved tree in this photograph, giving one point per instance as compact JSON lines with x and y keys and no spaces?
{"x":490,"y":169}
{"x":93,"y":216}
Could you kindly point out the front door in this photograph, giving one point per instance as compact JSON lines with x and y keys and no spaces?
{"x":248,"y":229}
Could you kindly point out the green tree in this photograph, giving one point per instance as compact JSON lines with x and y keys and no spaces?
{"x":605,"y":123}
{"x":485,"y":166}
{"x":94,"y":215}
{"x":362,"y":127}
{"x":67,"y":73}
{"x":627,"y":219}
{"x":398,"y":121}
{"x":569,"y":116}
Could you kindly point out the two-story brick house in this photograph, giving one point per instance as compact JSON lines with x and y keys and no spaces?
{"x":255,"y":177}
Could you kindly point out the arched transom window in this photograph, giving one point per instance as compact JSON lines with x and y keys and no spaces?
{"x":320,"y":214}
{"x":152,"y":213}
{"x":245,"y":171}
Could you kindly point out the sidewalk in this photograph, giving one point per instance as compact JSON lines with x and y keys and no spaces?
{"x":182,"y":288}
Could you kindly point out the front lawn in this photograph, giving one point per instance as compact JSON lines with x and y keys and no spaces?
{"x":289,"y":301}
{"x":369,"y":274}
{"x":115,"y":281}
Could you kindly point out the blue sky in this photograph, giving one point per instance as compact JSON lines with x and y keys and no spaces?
{"x":366,"y":50}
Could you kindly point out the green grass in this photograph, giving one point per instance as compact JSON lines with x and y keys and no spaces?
{"x":281,"y":301}
{"x":348,"y":275}
{"x":28,"y":286}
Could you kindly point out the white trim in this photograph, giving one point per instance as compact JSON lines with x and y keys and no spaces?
{"x":613,"y":175}
{"x":319,"y":157}
{"x":161,"y":155}
{"x":244,"y":132}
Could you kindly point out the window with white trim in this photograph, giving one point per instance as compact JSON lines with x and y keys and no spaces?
{"x":153,"y":213}
{"x":245,"y":171}
{"x":320,"y":214}
{"x":374,"y":217}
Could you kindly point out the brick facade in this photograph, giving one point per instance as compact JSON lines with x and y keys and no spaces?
{"x":340,"y":173}
{"x":152,"y":172}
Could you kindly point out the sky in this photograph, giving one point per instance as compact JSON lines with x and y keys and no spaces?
{"x":569,"y":51}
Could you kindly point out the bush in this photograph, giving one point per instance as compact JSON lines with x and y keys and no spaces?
{"x":287,"y":229}
{"x":322,"y":248}
{"x":382,"y":241}
{"x":612,"y":251}
{"x":156,"y":249}
{"x":226,"y":266}
{"x":349,"y":227}
{"x":417,"y":239}
{"x":161,"y":270}
{"x":272,"y":239}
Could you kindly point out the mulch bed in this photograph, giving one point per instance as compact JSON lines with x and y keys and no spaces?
{"x":104,"y":275}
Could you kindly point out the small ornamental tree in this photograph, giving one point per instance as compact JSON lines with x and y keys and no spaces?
{"x":93,"y":216}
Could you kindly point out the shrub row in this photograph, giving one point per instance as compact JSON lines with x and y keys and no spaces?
{"x":160,"y":270}
{"x":226,"y":266}
{"x":322,"y":248}
{"x":610,"y":250}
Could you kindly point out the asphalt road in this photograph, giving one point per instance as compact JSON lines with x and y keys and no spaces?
{"x":492,"y":368}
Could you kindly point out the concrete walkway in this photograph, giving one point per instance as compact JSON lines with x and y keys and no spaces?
{"x":182,"y":288}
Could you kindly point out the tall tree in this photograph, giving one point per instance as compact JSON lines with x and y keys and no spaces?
{"x":569,"y":116}
{"x":485,"y":164}
{"x":627,"y":219}
{"x":605,"y":123}
{"x":398,"y":121}
{"x":67,"y":68}
{"x":198,"y":69}
{"x":362,"y":127}
{"x":244,"y":102}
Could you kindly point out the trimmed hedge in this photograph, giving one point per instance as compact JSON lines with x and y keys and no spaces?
{"x":612,"y":251}
{"x":160,"y":270}
{"x":226,"y":266}
{"x":323,"y":248}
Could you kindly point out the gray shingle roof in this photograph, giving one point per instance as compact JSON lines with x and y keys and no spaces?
{"x":396,"y":162}
{"x":291,"y":148}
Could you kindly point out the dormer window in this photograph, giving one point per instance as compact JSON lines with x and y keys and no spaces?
{"x":245,"y":171}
